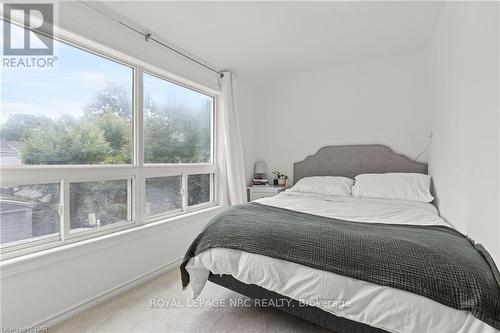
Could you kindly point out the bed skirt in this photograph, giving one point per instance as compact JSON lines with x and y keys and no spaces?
{"x":293,"y":307}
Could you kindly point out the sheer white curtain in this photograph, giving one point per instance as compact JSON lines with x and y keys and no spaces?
{"x":230,"y":151}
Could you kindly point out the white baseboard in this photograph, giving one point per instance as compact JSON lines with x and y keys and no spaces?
{"x":60,"y":317}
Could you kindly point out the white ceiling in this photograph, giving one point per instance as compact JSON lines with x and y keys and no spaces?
{"x":263,"y":41}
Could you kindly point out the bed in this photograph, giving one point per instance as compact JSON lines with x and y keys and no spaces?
{"x":344,"y":302}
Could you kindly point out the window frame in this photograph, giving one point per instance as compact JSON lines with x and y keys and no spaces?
{"x":35,"y":241}
{"x":137,"y":171}
{"x":212,"y":116}
{"x":171,"y":213}
{"x":131,"y":184}
{"x":211,"y":191}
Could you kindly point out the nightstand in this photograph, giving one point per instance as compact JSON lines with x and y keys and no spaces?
{"x":257,"y":192}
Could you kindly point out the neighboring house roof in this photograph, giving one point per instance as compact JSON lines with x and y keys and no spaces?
{"x":10,"y":147}
{"x":7,"y":202}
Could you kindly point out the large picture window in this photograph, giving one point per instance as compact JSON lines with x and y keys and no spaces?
{"x":97,"y":144}
{"x":177,"y":123}
{"x":79,"y":112}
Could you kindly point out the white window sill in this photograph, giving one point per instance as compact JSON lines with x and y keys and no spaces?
{"x":60,"y":251}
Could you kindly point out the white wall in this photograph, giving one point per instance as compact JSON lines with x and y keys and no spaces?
{"x":464,"y":159}
{"x":381,"y":101}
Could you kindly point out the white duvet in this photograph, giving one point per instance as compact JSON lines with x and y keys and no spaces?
{"x":387,"y":308}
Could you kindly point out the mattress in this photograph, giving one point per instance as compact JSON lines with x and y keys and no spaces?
{"x":387,"y":308}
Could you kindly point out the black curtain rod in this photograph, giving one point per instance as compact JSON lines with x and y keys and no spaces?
{"x":149,"y":36}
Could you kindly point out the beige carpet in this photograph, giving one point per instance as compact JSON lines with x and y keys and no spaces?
{"x":133,"y":312}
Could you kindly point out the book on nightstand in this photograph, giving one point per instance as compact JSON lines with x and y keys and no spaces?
{"x":260,"y":182}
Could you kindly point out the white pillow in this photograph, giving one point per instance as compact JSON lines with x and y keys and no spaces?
{"x":326,"y":185}
{"x":401,"y":186}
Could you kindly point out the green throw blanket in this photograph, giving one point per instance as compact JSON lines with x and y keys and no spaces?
{"x":433,"y":261}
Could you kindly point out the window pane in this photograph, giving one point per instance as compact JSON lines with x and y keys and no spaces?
{"x":177,"y":123}
{"x":163,"y":194}
{"x":96,"y":204}
{"x":198,"y":189}
{"x":28,"y":212}
{"x":77,"y":112}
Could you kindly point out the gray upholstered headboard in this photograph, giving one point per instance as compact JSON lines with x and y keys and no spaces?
{"x":352,"y":160}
